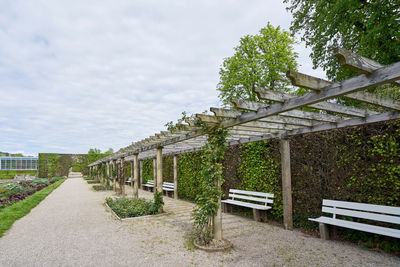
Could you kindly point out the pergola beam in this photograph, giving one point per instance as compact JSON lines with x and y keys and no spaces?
{"x":316,"y":84}
{"x":361,"y":82}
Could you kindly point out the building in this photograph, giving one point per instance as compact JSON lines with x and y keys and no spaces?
{"x":18,"y":163}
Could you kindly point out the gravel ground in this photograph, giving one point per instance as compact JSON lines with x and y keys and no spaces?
{"x":71,"y":227}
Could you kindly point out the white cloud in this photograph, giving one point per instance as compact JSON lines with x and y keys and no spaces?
{"x":82,"y":74}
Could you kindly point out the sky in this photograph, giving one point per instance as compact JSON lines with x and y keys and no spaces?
{"x":76,"y":75}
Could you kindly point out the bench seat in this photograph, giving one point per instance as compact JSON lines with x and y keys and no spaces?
{"x":359,"y":226}
{"x":246,"y":204}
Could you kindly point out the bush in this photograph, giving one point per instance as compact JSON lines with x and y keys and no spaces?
{"x":93,"y":182}
{"x":102,"y":187}
{"x":132,"y":207}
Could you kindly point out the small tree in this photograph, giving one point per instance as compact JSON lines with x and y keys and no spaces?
{"x":259,"y":60}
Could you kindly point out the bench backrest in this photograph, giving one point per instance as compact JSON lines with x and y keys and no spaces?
{"x":251,"y":195}
{"x":151,"y":182}
{"x":360,"y":210}
{"x":168,"y":185}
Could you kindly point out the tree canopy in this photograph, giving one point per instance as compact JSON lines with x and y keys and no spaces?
{"x":370,"y":28}
{"x":95,"y":154}
{"x":259,"y":60}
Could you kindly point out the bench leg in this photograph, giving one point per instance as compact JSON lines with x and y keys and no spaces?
{"x":256,"y":215}
{"x":224,"y":209}
{"x":324,"y":231}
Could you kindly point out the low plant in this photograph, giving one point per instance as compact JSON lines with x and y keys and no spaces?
{"x":133,"y":207}
{"x":102,"y":187}
{"x":93,"y":182}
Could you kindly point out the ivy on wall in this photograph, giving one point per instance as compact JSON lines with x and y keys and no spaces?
{"x":260,"y":171}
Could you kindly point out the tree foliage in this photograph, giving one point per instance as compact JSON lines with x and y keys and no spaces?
{"x":259,"y":60}
{"x":95,"y":154}
{"x":370,"y":28}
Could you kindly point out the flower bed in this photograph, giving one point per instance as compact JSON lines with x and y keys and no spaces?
{"x":11,"y":193}
{"x":133,"y":207}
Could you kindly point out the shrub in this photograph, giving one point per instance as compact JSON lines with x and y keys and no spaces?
{"x":102,"y":187}
{"x":93,"y":182}
{"x":132,"y":207}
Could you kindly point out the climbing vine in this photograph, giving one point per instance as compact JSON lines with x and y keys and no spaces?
{"x":211,"y":178}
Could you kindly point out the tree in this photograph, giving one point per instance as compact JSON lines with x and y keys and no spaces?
{"x":259,"y":60}
{"x":370,"y":28}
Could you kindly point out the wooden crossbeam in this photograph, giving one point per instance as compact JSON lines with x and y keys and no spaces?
{"x":230,"y":113}
{"x":358,"y":63}
{"x":254,"y":106}
{"x":316,"y":84}
{"x":268,"y":125}
{"x":254,"y":129}
{"x":361,"y":82}
{"x":281,"y":97}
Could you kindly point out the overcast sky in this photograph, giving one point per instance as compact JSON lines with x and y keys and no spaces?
{"x":82,"y":74}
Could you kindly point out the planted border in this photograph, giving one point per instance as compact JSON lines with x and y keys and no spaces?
{"x":18,"y":210}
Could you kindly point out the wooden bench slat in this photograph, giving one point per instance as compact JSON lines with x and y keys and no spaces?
{"x":362,"y":206}
{"x":363,"y":215}
{"x":265,"y":200}
{"x":253,"y":193}
{"x":246,"y":204}
{"x":359,"y":226}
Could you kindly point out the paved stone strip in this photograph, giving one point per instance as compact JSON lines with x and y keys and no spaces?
{"x":71,"y":227}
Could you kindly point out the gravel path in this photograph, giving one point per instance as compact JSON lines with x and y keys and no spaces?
{"x":71,"y":227}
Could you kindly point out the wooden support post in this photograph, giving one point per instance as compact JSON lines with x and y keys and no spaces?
{"x":155,"y":174}
{"x":217,"y":219}
{"x":114,"y":167}
{"x":108,"y":173}
{"x":159,"y":173}
{"x":175,"y":177}
{"x":135,"y":176}
{"x":122,"y":177}
{"x":286,"y":184}
{"x":141,"y":173}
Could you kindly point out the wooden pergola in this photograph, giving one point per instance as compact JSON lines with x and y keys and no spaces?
{"x":252,"y":121}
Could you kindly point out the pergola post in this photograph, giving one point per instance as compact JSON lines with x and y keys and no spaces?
{"x":107,"y":172}
{"x":175,"y":176}
{"x":135,"y":176}
{"x":286,"y":184}
{"x":114,"y":167}
{"x":141,"y":172}
{"x":155,"y":174}
{"x":122,"y":177}
{"x":217,"y":219}
{"x":159,"y":173}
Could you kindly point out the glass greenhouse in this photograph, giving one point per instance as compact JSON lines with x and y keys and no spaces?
{"x":18,"y":163}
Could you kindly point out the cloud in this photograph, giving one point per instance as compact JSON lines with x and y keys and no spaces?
{"x":81,"y":74}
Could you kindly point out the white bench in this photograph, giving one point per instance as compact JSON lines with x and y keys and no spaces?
{"x":371,"y":212}
{"x":129,"y":181}
{"x":168,"y":187}
{"x":253,"y":200}
{"x":149,"y":184}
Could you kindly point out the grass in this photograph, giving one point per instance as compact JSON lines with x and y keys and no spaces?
{"x":18,"y":210}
